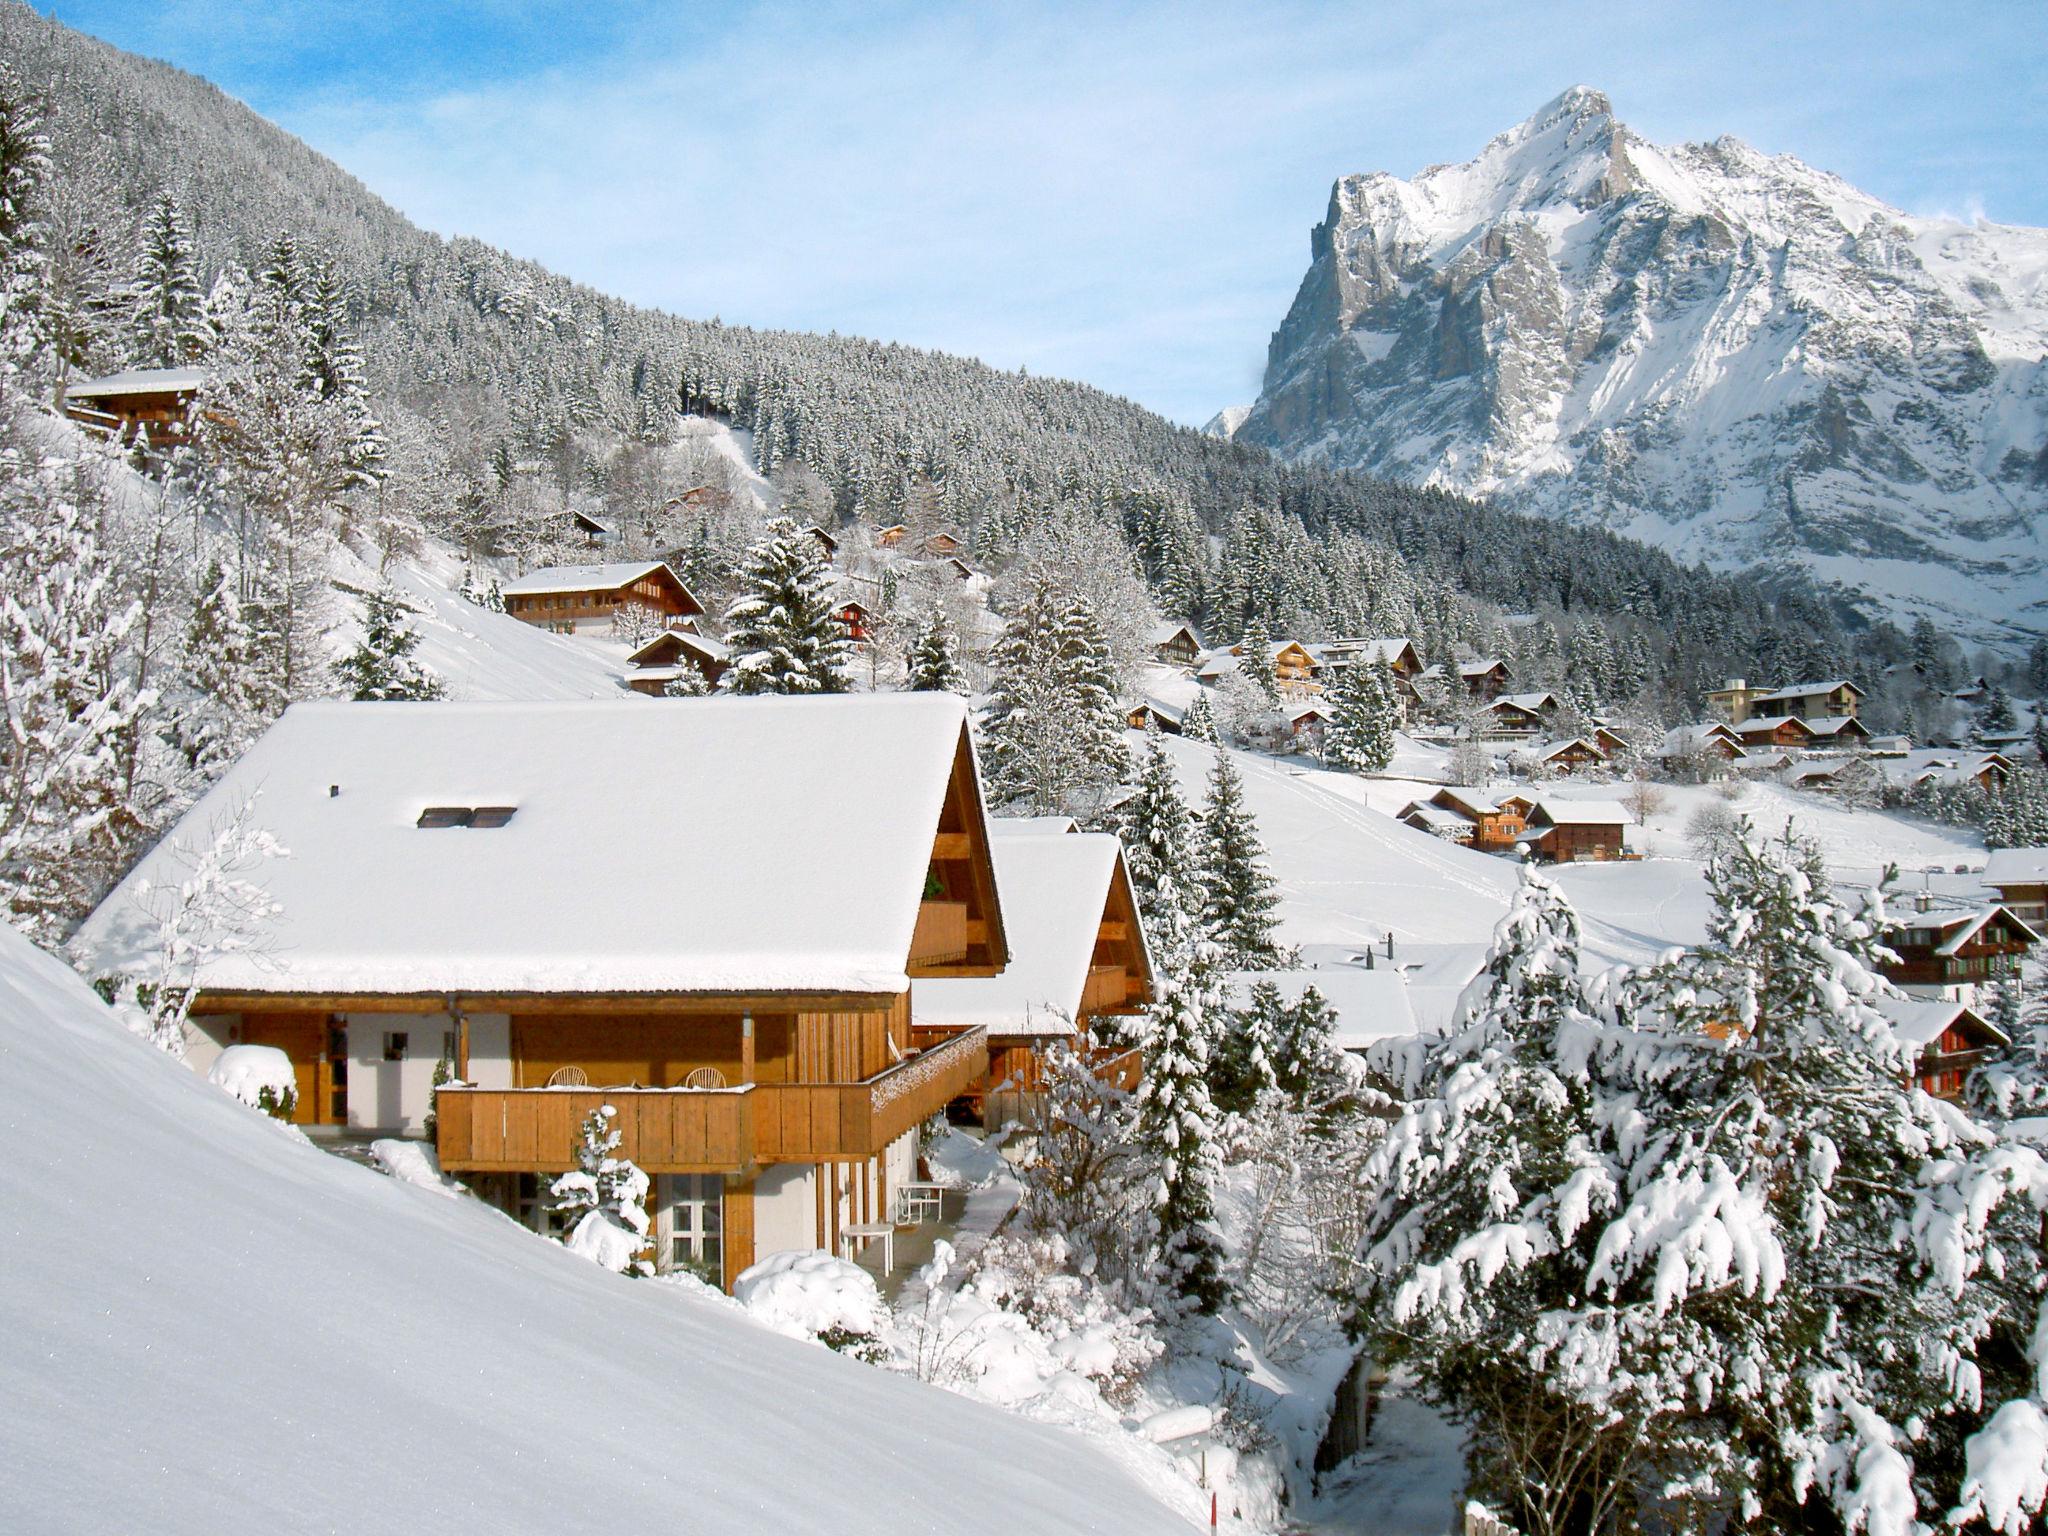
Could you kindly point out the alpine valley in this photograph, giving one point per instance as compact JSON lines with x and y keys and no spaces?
{"x":1724,"y":353}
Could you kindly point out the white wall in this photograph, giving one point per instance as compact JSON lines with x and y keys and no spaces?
{"x":202,"y":1049}
{"x":490,"y":1050}
{"x":393,"y":1095}
{"x":785,"y":1210}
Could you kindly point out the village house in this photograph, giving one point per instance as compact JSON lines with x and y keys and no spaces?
{"x":1077,"y":954}
{"x":1568,"y":831}
{"x":891,"y":536}
{"x":593,"y":530}
{"x":854,"y":617}
{"x":944,"y":543}
{"x":1516,"y":717}
{"x":1949,"y":1038}
{"x":665,"y":658}
{"x":152,"y":401}
{"x":1397,"y":652}
{"x":1484,"y":679}
{"x":1177,"y":643}
{"x":828,"y":543}
{"x":1735,"y":701}
{"x":1569,"y":755}
{"x":1155,"y":712}
{"x":1305,"y":726}
{"x":1294,"y":665}
{"x":1955,"y":952}
{"x":1988,"y":771}
{"x":706,"y":917}
{"x":1469,"y":817}
{"x":568,"y":598}
{"x":2020,"y":876}
{"x":1712,"y":741}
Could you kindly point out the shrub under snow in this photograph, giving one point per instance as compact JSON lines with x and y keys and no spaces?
{"x":260,"y":1076}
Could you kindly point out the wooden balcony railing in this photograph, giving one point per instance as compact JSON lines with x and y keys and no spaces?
{"x":1121,"y":1070}
{"x":1107,"y":990}
{"x":684,"y":1130}
{"x":801,"y":1122}
{"x":663,"y":1130}
{"x":941,"y":933}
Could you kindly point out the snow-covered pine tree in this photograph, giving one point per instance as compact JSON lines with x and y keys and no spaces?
{"x":1241,"y":1069}
{"x":223,"y":702}
{"x":1997,"y":715}
{"x":1308,"y":1065}
{"x":381,"y":665}
{"x":1500,"y":1151}
{"x":1040,"y":755}
{"x":1175,"y":1121}
{"x":932,"y":664}
{"x":166,"y":304}
{"x":603,"y":1200}
{"x":1198,"y":723}
{"x":1363,"y":711}
{"x":688,"y":683}
{"x":781,"y":630}
{"x":1162,"y":852}
{"x":1238,"y":894}
{"x":1255,"y":661}
{"x":1087,"y":684}
{"x":24,"y":170}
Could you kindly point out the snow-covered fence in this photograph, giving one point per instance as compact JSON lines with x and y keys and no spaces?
{"x":1481,"y":1521}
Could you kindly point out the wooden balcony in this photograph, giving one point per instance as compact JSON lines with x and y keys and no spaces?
{"x":940,"y":937}
{"x":1108,"y":990}
{"x":683,"y":1130}
{"x":806,"y":1122}
{"x":525,"y":1130}
{"x":1122,"y":1071}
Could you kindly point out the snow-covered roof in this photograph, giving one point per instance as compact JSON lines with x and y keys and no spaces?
{"x":1054,"y":888}
{"x":585,"y":578}
{"x":1470,"y":801}
{"x":1370,"y":1005}
{"x":1544,"y":751}
{"x":1217,"y":664}
{"x":1161,"y":633}
{"x":2016,"y":866}
{"x":138,"y":381}
{"x":1159,"y":707}
{"x":1435,"y":817}
{"x":1681,"y":739}
{"x":1533,"y":703}
{"x":1920,"y":1021}
{"x":689,"y":640}
{"x":1030,"y":826}
{"x":1584,"y":813}
{"x":770,"y":844}
{"x":1804,"y":690}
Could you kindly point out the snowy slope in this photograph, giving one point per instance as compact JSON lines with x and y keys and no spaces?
{"x":1725,"y":353}
{"x":215,"y":1327}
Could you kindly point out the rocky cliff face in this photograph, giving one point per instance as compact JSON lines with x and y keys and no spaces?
{"x":1729,"y":354}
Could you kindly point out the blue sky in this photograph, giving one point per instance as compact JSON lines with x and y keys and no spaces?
{"x":1120,"y":194}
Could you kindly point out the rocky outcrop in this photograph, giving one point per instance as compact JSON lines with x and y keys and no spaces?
{"x":1729,"y":354}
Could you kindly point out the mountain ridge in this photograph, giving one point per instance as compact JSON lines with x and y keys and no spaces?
{"x":1727,"y":354}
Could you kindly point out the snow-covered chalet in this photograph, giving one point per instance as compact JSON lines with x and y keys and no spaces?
{"x":707,"y":913}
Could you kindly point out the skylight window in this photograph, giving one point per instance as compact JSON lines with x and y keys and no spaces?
{"x":466,"y":815}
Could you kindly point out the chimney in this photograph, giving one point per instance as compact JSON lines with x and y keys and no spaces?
{"x":1735,"y":684}
{"x":333,"y":790}
{"x":1924,"y":902}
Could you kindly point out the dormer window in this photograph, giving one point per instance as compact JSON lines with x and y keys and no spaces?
{"x":466,"y":815}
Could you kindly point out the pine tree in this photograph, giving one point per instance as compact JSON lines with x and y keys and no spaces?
{"x":1238,"y":895}
{"x":1161,"y":851}
{"x":381,"y":665}
{"x":782,"y":633}
{"x":166,"y":301}
{"x":1255,"y":661}
{"x":222,"y":704}
{"x":1198,"y":723}
{"x":1997,"y":715}
{"x":932,"y":665}
{"x":1046,"y":745}
{"x":603,"y":1201}
{"x":1087,"y":686}
{"x":24,"y":171}
{"x":1242,"y":1070}
{"x":688,"y":683}
{"x":1363,"y":711}
{"x":1307,"y":1062}
{"x":1175,"y":1121}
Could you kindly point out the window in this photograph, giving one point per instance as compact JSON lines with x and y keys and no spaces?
{"x":482,"y":816}
{"x":395,"y":1042}
{"x":533,"y":1206}
{"x":693,"y":1215}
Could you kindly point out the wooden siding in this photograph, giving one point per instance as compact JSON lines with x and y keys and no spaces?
{"x":520,"y":1131}
{"x":940,"y":937}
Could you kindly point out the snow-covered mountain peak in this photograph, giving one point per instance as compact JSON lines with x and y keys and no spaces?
{"x":1719,"y":350}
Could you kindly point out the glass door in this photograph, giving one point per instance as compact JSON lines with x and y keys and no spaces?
{"x":692,"y":1232}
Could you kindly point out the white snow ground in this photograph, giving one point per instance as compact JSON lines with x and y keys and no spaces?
{"x":216,"y":1327}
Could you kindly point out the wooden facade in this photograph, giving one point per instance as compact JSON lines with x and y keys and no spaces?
{"x":1177,"y":645}
{"x":661,"y":658}
{"x":155,"y":402}
{"x":1557,"y":836}
{"x":1948,"y":951}
{"x":568,"y":606}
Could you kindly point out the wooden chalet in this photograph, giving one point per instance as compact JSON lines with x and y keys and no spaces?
{"x":1953,"y":952}
{"x":1950,"y":1039}
{"x":958,"y":568}
{"x":664,"y":658}
{"x":854,"y":617}
{"x":891,"y":536}
{"x":595,"y":530}
{"x":1155,"y":712}
{"x":151,"y":402}
{"x":2020,"y":876}
{"x":1470,"y":817}
{"x":1711,"y":740}
{"x":1177,"y":643}
{"x":944,"y":543}
{"x":1570,"y":831}
{"x":707,"y":917}
{"x":1077,"y":954}
{"x":566,"y":598}
{"x":1516,"y":717}
{"x":1294,"y":665}
{"x":1735,"y":701}
{"x":1305,"y":725}
{"x":1785,"y":731}
{"x":1570,"y":755}
{"x":826,"y":541}
{"x":1397,"y":652}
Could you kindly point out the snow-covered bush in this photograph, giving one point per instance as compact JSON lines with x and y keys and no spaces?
{"x":605,"y":1199}
{"x":817,"y":1296}
{"x":260,"y":1076}
{"x":1084,"y":1324}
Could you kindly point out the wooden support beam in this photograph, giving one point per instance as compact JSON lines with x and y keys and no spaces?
{"x":952,"y":845}
{"x":1113,"y":931}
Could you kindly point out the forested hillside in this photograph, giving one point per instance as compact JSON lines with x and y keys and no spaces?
{"x":481,"y":365}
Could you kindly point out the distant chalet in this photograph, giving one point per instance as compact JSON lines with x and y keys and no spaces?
{"x":708,"y":917}
{"x":566,"y":598}
{"x":152,"y":401}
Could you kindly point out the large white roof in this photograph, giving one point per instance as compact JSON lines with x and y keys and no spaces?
{"x":1053,"y":887}
{"x":582,"y":578}
{"x":138,"y":381}
{"x":1919,"y":1021}
{"x":2016,"y":866}
{"x":772,"y":844}
{"x":1370,"y":1005}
